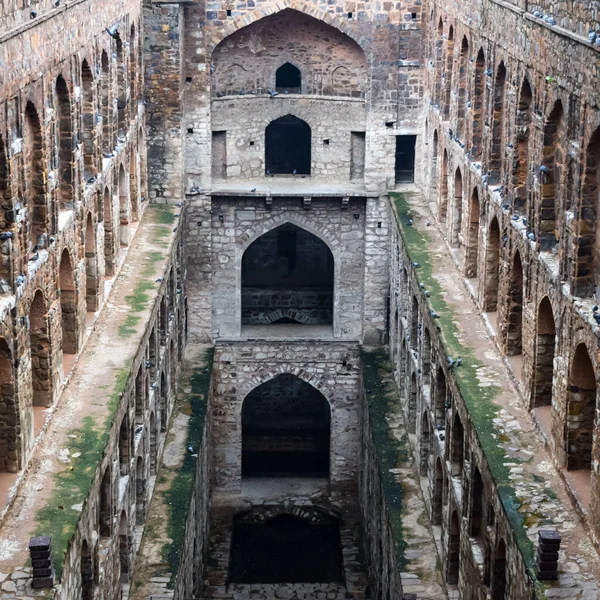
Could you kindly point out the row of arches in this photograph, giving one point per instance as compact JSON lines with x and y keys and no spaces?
{"x":141,"y":433}
{"x":47,"y":178}
{"x":541,"y":185}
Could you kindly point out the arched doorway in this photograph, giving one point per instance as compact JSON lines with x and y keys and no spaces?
{"x":124,"y":548}
{"x":68,"y":305}
{"x":87,"y":572}
{"x":285,"y":430}
{"x":499,"y":572}
{"x":299,"y":546}
{"x":287,"y":277}
{"x":163,"y":403}
{"x":124,"y":208}
{"x":35,"y":187}
{"x":92,"y":276}
{"x":457,"y":210}
{"x":581,"y":409}
{"x":105,"y":512}
{"x":471,"y":266}
{"x":65,"y":145}
{"x":543,"y":372}
{"x":109,"y":233}
{"x":288,"y":147}
{"x":140,"y":492}
{"x":443,"y":200}
{"x":521,"y":155}
{"x":514,"y":333}
{"x":438,"y":493}
{"x":41,"y":351}
{"x":492,"y":266}
{"x":10,"y":450}
{"x":453,"y":552}
{"x":425,"y":447}
{"x":497,"y":137}
{"x":88,"y":118}
{"x":288,"y":79}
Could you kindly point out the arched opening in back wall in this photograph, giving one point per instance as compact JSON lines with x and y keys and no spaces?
{"x":287,"y":277}
{"x":287,"y":147}
{"x":288,"y":79}
{"x":285,"y":430}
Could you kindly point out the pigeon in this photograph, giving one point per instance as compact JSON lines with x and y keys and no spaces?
{"x":458,"y":361}
{"x":434,"y":315}
{"x":524,"y":219}
{"x":112,"y":30}
{"x":427,"y":223}
{"x":34,"y":257}
{"x":416,"y":265}
{"x":273,"y":93}
{"x":468,"y":105}
{"x":510,"y":145}
{"x":294,"y":172}
{"x":91,"y":180}
{"x":531,"y":236}
{"x":20,"y":279}
{"x":596,"y":318}
{"x":148,"y":364}
{"x":6,"y":235}
{"x":422,"y":285}
{"x":427,"y":294}
{"x":505,"y":206}
{"x":515,"y":217}
{"x":592,"y":36}
{"x":488,"y":72}
{"x":154,"y":385}
{"x":174,"y":228}
{"x":595,"y":308}
{"x":33,"y":14}
{"x":252,"y":190}
{"x":538,"y":14}
{"x":550,"y":20}
{"x":410,"y":222}
{"x":544,"y":169}
{"x":159,"y":280}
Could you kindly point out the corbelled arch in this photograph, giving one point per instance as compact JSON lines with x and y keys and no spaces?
{"x":248,"y":18}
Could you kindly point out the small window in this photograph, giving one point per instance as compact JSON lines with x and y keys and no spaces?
{"x":228,"y":12}
{"x":288,"y":79}
{"x":349,"y":15}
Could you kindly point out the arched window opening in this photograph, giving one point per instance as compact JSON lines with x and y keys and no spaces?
{"x":462,"y":88}
{"x":447,"y":75}
{"x":492,"y":267}
{"x":543,"y":372}
{"x":33,"y":162}
{"x":163,"y":404}
{"x":68,"y":305}
{"x":163,"y":322}
{"x":87,"y":572}
{"x":287,"y":277}
{"x":121,"y":88}
{"x":92,"y":275}
{"x":581,"y":409}
{"x":440,"y":398}
{"x":109,"y":235}
{"x":124,"y":548}
{"x":105,"y":104}
{"x":153,"y":444}
{"x":140,"y":492}
{"x":521,"y":153}
{"x":88,"y":117}
{"x":140,"y":395}
{"x":497,"y":137}
{"x":105,"y":510}
{"x":124,"y":446}
{"x":7,"y":218}
{"x":550,"y":176}
{"x":588,"y":238}
{"x":65,"y":145}
{"x":41,"y":351}
{"x":443,"y":203}
{"x":286,"y":548}
{"x":439,"y":62}
{"x":438,"y":489}
{"x":471,"y":264}
{"x":288,"y":147}
{"x":288,"y":79}
{"x":285,"y":430}
{"x":9,"y":418}
{"x":453,"y":554}
{"x":458,"y":447}
{"x":475,"y":522}
{"x":478,"y":107}
{"x":425,"y":446}
{"x":124,"y":208}
{"x":134,"y":189}
{"x":412,"y":404}
{"x":514,"y":329}
{"x":457,"y":209}
{"x":499,"y":572}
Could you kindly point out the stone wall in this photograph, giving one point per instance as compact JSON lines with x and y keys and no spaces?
{"x":514,"y":184}
{"x":331,"y":368}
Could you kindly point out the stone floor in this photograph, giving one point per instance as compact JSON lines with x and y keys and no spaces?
{"x":542,"y":491}
{"x":95,"y":369}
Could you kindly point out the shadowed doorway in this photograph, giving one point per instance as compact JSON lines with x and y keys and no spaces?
{"x":287,"y":147}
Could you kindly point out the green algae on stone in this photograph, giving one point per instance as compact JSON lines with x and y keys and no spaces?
{"x":478,"y":399}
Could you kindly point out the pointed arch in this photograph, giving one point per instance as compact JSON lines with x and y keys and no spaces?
{"x":153,"y":444}
{"x":133,"y":66}
{"x":492,"y":266}
{"x":453,"y":550}
{"x":447,"y":75}
{"x":463,"y":65}
{"x":109,"y":235}
{"x":86,"y":572}
{"x":88,"y":118}
{"x":164,"y":407}
{"x":439,"y":62}
{"x":286,"y":428}
{"x":140,"y":491}
{"x":545,"y":346}
{"x":288,"y":146}
{"x":457,"y":451}
{"x":124,"y":548}
{"x":471,"y":262}
{"x":10,"y":418}
{"x":105,"y":511}
{"x":35,"y":182}
{"x":441,"y":397}
{"x":438,"y":496}
{"x":551,"y":176}
{"x":443,"y":201}
{"x":65,"y":145}
{"x":41,"y":351}
{"x":476,"y":504}
{"x":425,"y":448}
{"x":288,"y":79}
{"x":497,"y":134}
{"x":121,"y":87}
{"x":514,"y":328}
{"x":521,"y":153}
{"x":478,"y":107}
{"x":68,"y":305}
{"x":457,"y":210}
{"x":499,"y":572}
{"x":92,"y":275}
{"x":582,"y":404}
{"x":6,"y":221}
{"x":124,"y":208}
{"x":105,"y":103}
{"x":434,"y":160}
